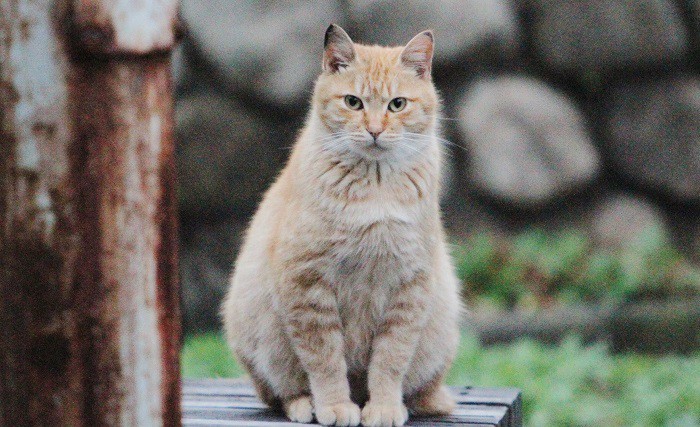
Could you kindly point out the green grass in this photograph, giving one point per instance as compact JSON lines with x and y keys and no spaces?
{"x":537,"y":269}
{"x":207,"y":356}
{"x":570,"y":384}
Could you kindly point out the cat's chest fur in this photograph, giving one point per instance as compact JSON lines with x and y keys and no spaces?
{"x":369,"y":260}
{"x":377,"y":229}
{"x":379,"y":253}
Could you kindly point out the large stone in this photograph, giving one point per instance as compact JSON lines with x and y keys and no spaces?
{"x":584,"y":36}
{"x":527,"y":142}
{"x":620,"y":221}
{"x":269,"y":49}
{"x":695,"y":12}
{"x":653,"y":134}
{"x":695,"y":245}
{"x":461,"y":27}
{"x":695,"y":26}
{"x":685,"y":223}
{"x":226,"y":155}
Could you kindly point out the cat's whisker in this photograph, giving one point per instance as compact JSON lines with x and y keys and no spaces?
{"x":443,"y":147}
{"x":422,"y":137}
{"x":443,"y":150}
{"x":334,"y":145}
{"x":331,"y":140}
{"x":410,"y":147}
{"x":330,"y":137}
{"x":339,"y":137}
{"x":335,"y":134}
{"x":452,"y":144}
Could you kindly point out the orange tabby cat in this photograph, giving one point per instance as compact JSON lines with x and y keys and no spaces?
{"x":344,"y":293}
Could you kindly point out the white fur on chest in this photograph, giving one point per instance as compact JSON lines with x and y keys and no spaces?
{"x":377,"y":238}
{"x":371,"y":257}
{"x":376,"y":245}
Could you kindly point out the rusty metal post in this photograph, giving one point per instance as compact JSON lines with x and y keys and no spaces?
{"x":89,"y":308}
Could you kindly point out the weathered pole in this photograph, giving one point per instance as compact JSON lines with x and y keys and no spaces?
{"x":89,"y":317}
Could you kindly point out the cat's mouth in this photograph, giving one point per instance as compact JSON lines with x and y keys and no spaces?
{"x":376,"y":148}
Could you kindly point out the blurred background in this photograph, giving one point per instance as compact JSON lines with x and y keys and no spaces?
{"x":572,"y":196}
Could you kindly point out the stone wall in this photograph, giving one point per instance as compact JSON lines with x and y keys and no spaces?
{"x":580,"y":113}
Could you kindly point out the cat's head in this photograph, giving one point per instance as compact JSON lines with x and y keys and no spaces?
{"x":376,"y":102}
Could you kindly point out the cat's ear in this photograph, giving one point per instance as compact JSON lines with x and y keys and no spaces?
{"x":418,"y":54}
{"x":339,"y":51}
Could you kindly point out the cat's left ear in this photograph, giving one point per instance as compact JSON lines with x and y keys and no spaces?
{"x":338,"y":49}
{"x":418,"y":54}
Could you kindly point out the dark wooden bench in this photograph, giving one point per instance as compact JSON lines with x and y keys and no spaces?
{"x":233,"y":403}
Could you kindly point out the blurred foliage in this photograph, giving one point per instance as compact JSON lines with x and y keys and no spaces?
{"x":571,"y":384}
{"x":207,"y":356}
{"x":537,"y":269}
{"x":574,"y":384}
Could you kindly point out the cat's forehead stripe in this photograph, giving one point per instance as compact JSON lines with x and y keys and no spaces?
{"x":368,"y":87}
{"x":377,"y":74}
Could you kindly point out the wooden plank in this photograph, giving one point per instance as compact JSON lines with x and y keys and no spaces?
{"x":226,"y":402}
{"x":217,"y":387}
{"x":198,"y":422}
{"x":503,"y":405}
{"x":481,"y":413}
{"x":204,"y":422}
{"x":509,"y":397}
{"x":277,"y":418}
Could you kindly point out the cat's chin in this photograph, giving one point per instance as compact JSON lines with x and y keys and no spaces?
{"x":373,"y":152}
{"x":376,"y":150}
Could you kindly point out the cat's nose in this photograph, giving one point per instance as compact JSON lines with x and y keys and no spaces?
{"x":375,"y":134}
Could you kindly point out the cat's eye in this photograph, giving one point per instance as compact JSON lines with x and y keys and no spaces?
{"x":353,"y":102}
{"x":397,"y":104}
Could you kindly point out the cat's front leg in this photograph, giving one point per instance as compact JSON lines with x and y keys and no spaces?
{"x":392,"y":350}
{"x":310,"y":313}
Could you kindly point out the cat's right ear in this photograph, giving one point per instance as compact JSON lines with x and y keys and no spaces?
{"x":418,"y":54}
{"x":339,"y":51}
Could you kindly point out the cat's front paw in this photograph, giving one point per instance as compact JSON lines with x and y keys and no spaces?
{"x":299,"y":409}
{"x":340,"y":414}
{"x":384,"y":414}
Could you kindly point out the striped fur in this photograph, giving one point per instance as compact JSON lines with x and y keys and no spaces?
{"x":344,"y":294}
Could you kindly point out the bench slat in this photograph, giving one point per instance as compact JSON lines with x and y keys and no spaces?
{"x":227,"y":402}
{"x":247,"y":423}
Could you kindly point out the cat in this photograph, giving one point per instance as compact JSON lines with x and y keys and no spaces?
{"x":344,"y":293}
